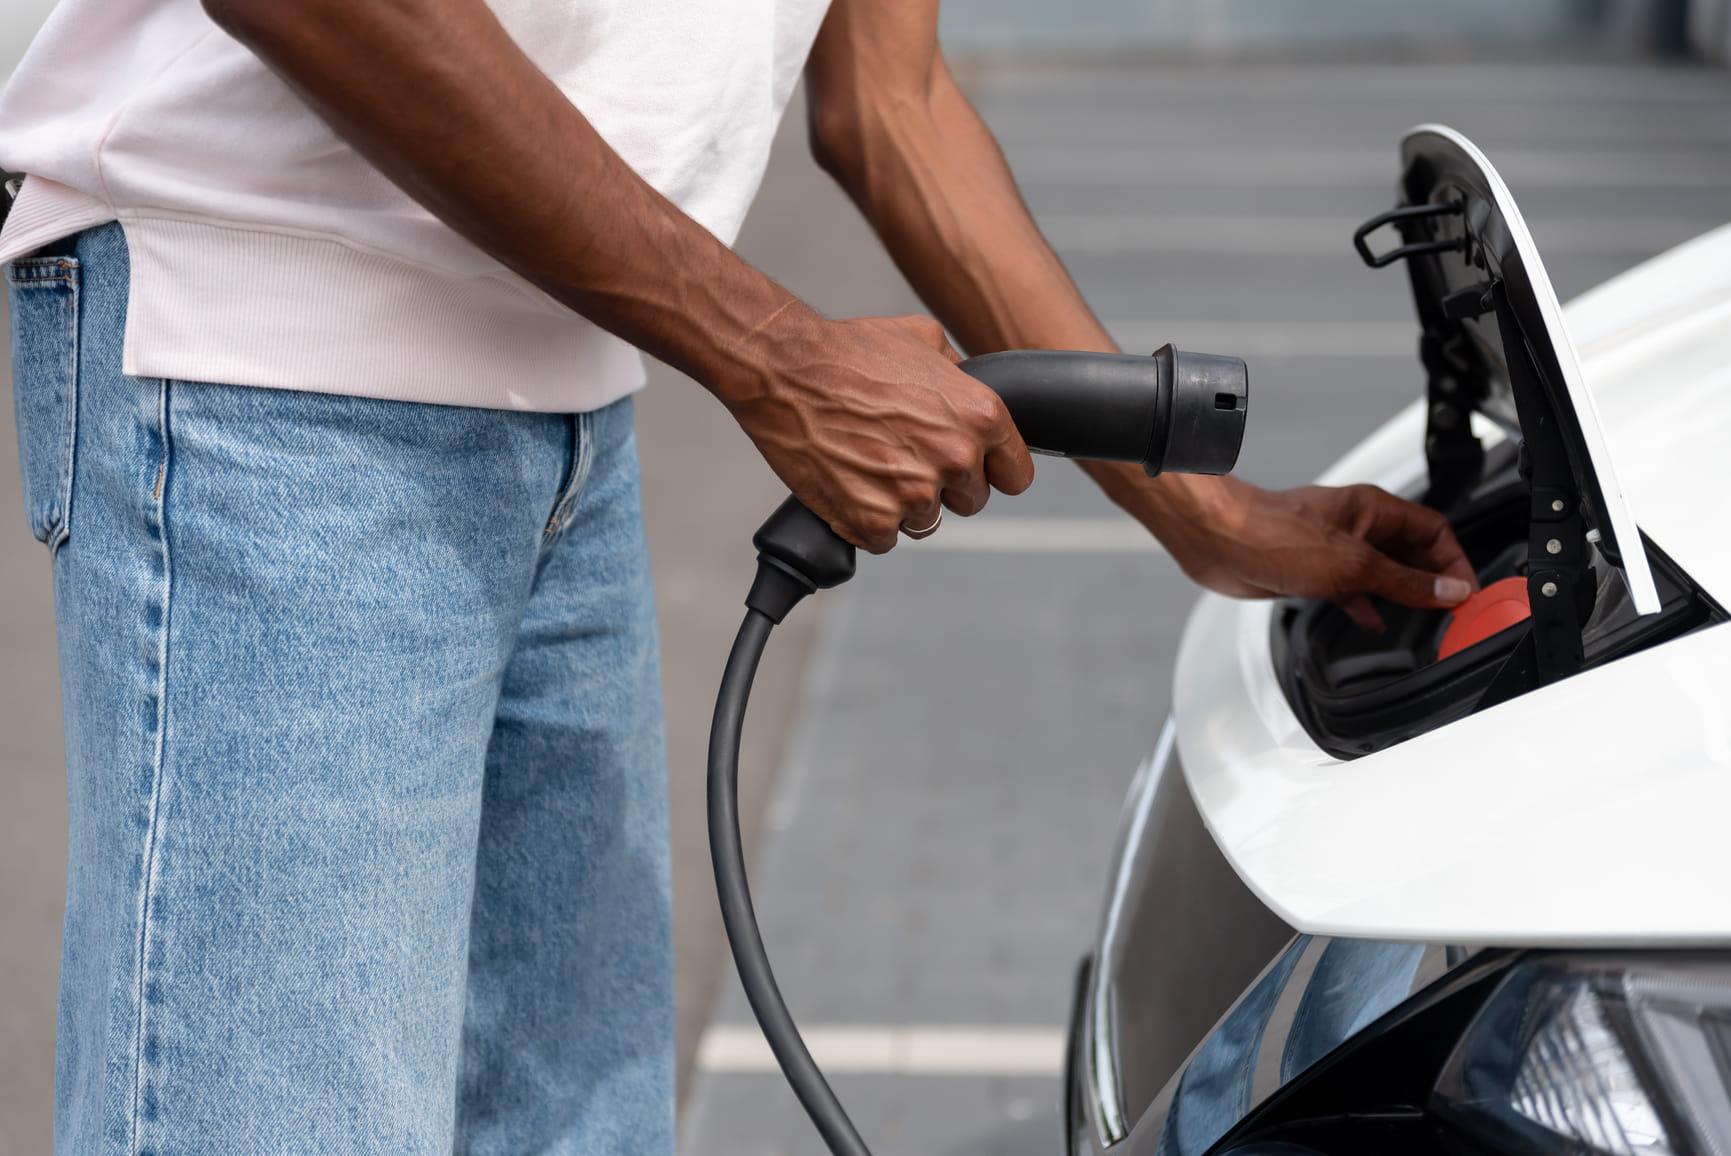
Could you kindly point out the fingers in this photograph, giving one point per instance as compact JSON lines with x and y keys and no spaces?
{"x":962,"y":479}
{"x":1377,"y":573}
{"x":924,"y":524}
{"x":1415,"y":534}
{"x":1009,"y":467}
{"x":874,"y":532}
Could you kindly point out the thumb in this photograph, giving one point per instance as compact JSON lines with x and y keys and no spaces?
{"x":1421,"y":589}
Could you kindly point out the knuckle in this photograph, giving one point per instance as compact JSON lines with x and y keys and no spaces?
{"x":880,"y":533}
{"x":965,"y":503}
{"x":917,"y":494}
{"x":959,"y":458}
{"x":991,"y":416}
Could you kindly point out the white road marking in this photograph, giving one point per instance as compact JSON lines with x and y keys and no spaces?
{"x":1161,"y":90}
{"x":993,"y":534}
{"x":892,"y":1049}
{"x":1273,"y":339}
{"x":1079,"y":234}
{"x":1276,"y":168}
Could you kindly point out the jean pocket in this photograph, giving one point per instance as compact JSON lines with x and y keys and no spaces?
{"x":44,"y":305}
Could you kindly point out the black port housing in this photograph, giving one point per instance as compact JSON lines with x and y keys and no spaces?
{"x":1357,"y":693}
{"x":1531,"y":506}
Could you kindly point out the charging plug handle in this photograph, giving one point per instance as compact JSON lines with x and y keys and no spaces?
{"x":1174,"y":412}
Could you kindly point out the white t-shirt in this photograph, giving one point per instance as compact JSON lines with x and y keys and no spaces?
{"x":267,"y":252}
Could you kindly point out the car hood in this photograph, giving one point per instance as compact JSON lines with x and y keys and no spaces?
{"x":1590,"y":811}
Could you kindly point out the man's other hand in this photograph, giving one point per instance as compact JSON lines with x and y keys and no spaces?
{"x":1340,"y":543}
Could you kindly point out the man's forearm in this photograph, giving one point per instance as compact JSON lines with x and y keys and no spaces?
{"x":438,"y":97}
{"x":929,"y":176}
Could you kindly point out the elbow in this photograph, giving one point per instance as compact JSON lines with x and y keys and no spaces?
{"x":835,"y":131}
{"x":856,"y":126}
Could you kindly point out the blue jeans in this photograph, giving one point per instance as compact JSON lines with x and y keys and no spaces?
{"x":366,"y":769}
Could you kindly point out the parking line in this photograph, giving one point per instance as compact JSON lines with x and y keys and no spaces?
{"x":1138,"y":234}
{"x":892,"y":1049}
{"x":1206,"y":167}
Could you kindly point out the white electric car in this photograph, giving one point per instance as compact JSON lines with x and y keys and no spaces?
{"x":1370,"y":899}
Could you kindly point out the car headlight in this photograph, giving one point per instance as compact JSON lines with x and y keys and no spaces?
{"x":1611,"y":1057}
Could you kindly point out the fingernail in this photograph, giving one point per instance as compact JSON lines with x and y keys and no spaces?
{"x":1453,"y":590}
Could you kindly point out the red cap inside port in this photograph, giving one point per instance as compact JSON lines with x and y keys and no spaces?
{"x":1490,"y":611}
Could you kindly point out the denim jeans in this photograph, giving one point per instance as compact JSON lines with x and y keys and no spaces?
{"x":365,"y":761}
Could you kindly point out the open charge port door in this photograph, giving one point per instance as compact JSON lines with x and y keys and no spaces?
{"x":1541,"y":506}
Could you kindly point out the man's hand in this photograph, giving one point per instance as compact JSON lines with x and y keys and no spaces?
{"x":1340,"y":543}
{"x":871,"y":425}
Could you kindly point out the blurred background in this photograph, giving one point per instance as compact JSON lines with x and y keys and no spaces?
{"x":938,"y":751}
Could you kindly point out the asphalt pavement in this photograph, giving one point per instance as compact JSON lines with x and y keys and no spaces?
{"x":937,"y":753}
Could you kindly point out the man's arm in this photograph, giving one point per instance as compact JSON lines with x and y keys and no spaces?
{"x":867,"y":421}
{"x":889,"y":122}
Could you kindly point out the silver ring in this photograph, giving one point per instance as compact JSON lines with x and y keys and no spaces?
{"x":929,"y":530}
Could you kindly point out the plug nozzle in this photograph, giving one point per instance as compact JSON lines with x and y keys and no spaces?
{"x":1174,"y":411}
{"x":1207,"y":406}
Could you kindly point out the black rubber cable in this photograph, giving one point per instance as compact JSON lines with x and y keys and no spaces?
{"x":728,"y":855}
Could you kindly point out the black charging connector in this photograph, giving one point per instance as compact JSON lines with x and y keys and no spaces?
{"x":1173,"y":411}
{"x":797,"y":554}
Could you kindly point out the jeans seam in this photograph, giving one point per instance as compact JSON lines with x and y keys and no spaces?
{"x":30,"y":271}
{"x":56,"y":528}
{"x":151,"y":854}
{"x":583,"y":459}
{"x":63,"y":514}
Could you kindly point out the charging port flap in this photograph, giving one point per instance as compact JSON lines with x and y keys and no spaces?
{"x":1494,"y":343}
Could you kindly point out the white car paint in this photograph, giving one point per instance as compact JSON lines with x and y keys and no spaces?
{"x":1594,"y":811}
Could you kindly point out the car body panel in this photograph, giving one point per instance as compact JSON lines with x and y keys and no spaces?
{"x":1656,"y":347}
{"x":1589,"y":812}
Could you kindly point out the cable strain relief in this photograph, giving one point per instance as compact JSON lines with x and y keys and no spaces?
{"x":777,"y":589}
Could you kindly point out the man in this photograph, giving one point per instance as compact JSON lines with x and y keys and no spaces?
{"x":323,"y":316}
